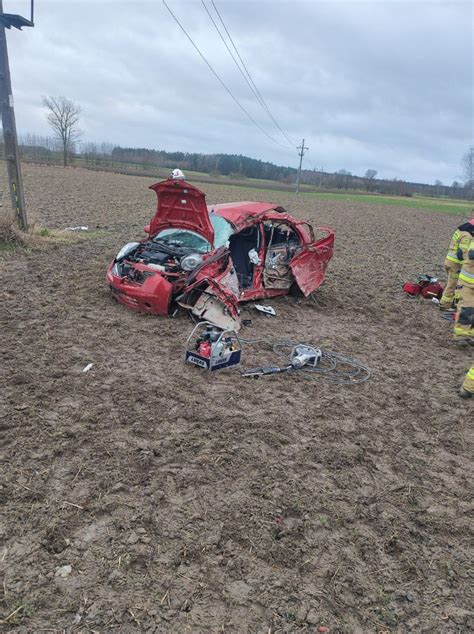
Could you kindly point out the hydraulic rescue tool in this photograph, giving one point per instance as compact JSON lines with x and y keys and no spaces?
{"x":212,"y":348}
{"x":300,"y":356}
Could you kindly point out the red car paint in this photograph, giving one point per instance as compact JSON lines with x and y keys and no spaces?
{"x":309,"y":266}
{"x":238,"y":214}
{"x":182,"y":206}
{"x":153,"y":296}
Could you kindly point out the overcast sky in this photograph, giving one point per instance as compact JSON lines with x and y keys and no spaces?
{"x":385,"y":84}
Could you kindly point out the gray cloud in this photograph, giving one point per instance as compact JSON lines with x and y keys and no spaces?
{"x":382,"y":84}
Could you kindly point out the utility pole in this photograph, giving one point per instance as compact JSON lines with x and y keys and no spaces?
{"x":302,"y":149}
{"x":10,"y":141}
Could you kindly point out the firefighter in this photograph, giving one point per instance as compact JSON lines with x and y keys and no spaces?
{"x":464,"y":321}
{"x":467,"y":389}
{"x":453,"y":265}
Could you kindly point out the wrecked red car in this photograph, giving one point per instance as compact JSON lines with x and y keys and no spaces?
{"x":209,"y":258}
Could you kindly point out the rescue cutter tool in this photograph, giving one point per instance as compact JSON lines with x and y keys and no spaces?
{"x":300,"y":357}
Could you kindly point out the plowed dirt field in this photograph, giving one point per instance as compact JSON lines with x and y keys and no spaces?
{"x":149,"y":496}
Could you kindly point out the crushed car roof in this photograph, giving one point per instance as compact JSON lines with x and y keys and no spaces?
{"x":237,"y":213}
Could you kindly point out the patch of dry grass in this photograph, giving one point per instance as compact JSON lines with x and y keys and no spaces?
{"x":10,"y":235}
{"x":37,"y":237}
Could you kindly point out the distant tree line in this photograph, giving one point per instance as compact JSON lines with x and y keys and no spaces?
{"x":50,"y":150}
{"x":344,"y":180}
{"x":219,"y":164}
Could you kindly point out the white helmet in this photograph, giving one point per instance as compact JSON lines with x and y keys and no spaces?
{"x":177,"y":174}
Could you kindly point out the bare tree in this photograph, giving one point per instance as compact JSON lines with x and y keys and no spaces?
{"x":342,"y":179}
{"x":89,"y":152}
{"x":63,"y":117}
{"x":439,"y":185}
{"x":467,"y":163}
{"x":369,"y":177}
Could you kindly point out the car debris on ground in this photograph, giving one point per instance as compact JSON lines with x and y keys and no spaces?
{"x":268,"y":310}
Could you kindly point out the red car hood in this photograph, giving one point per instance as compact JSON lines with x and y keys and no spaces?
{"x":181,"y":206}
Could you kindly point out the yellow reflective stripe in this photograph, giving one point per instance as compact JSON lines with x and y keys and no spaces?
{"x":470,"y":374}
{"x":455,"y":239}
{"x":463,"y":329}
{"x":453,"y":258}
{"x":466,"y":277}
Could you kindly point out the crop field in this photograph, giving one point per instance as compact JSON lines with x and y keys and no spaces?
{"x":149,"y":496}
{"x":446,"y":206}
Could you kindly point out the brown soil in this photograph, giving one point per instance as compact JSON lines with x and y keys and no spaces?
{"x":189,"y":502}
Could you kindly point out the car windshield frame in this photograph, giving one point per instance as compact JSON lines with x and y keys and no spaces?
{"x":222,"y":230}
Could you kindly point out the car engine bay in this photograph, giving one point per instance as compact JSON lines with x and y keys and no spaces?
{"x":159,"y":255}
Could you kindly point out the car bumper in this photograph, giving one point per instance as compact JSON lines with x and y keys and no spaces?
{"x":153,"y":296}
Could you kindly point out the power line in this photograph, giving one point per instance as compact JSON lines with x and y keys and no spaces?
{"x":233,"y":57}
{"x":249,"y":82}
{"x":255,"y":89}
{"x":318,"y":170}
{"x":311,"y":161}
{"x":220,"y":80}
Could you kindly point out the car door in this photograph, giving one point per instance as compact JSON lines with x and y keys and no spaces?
{"x":309,"y":265}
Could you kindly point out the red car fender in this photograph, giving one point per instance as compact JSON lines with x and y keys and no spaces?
{"x":216,"y":281}
{"x":212,"y":302}
{"x":224,"y":282}
{"x":210,"y":266}
{"x":160,"y":291}
{"x":226,"y":296}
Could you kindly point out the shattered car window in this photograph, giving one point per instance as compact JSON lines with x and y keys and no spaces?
{"x":193,"y":241}
{"x":183,"y":238}
{"x":222,"y":230}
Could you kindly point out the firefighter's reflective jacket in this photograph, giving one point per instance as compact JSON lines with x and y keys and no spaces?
{"x":460,"y":240}
{"x":468,"y":384}
{"x":465,"y":255}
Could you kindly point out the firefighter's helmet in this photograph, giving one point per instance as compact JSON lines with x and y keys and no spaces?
{"x":177,"y":174}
